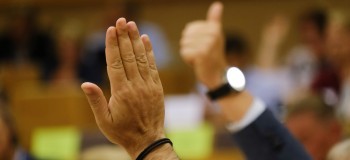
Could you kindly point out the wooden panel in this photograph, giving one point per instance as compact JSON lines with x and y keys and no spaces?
{"x":12,"y":75}
{"x":227,"y":154}
{"x":35,"y":106}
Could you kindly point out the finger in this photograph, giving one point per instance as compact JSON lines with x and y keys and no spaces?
{"x":215,"y":12}
{"x":115,"y":69}
{"x":126,"y":50}
{"x":151,"y":60}
{"x":96,"y":99}
{"x":139,"y":50}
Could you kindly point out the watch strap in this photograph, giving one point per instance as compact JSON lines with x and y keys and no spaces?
{"x":222,"y":91}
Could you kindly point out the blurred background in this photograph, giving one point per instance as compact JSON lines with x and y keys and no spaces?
{"x":295,"y":55}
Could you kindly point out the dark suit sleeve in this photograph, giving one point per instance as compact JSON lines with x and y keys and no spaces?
{"x":267,"y":139}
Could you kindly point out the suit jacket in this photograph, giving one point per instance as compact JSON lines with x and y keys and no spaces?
{"x":267,"y":139}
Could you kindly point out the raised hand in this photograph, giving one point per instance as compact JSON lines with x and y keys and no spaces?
{"x":202,"y":46}
{"x":134,"y":115}
{"x":272,"y":37}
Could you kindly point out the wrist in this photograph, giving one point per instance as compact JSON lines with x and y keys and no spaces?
{"x":164,"y":152}
{"x":216,"y":80}
{"x":233,"y":81}
{"x":134,"y":149}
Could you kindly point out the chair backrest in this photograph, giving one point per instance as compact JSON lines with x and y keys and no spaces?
{"x":37,"y":106}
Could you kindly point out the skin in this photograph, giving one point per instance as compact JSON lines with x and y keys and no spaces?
{"x":6,"y":149}
{"x":202,"y":47}
{"x":272,"y":37}
{"x":134,"y":115}
{"x":317,"y":136}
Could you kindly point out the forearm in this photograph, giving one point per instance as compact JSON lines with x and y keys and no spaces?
{"x":266,"y":58}
{"x":235,"y":106}
{"x":268,"y":133}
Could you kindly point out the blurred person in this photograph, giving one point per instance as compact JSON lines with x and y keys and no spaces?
{"x":7,"y":140}
{"x":136,"y":89}
{"x":338,"y":41}
{"x":304,"y":59}
{"x":237,"y":50}
{"x":307,"y":63}
{"x":9,"y":147}
{"x":262,"y":136}
{"x":340,"y":151}
{"x":307,"y":66}
{"x":23,"y":43}
{"x":266,"y":68}
{"x":161,"y":46}
{"x":92,"y":60}
{"x":66,"y":69}
{"x":314,"y":124}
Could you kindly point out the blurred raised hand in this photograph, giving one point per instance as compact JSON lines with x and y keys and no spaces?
{"x":202,"y":46}
{"x":271,"y":39}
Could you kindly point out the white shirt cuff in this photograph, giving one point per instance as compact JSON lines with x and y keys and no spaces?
{"x":255,"y":110}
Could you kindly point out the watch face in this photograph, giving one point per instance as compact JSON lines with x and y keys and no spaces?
{"x":235,"y":78}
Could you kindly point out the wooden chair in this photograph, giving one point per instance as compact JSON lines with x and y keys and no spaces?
{"x":36,"y":106}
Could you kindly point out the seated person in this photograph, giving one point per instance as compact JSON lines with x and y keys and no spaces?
{"x":314,"y":124}
{"x":8,"y":140}
{"x":340,"y":151}
{"x":134,"y":115}
{"x":24,"y":43}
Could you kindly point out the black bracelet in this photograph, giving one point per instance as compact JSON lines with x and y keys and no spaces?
{"x":151,"y":147}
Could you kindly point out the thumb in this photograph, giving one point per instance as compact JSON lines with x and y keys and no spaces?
{"x":97,"y":100}
{"x":215,"y":12}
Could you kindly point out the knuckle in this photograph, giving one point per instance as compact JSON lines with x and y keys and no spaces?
{"x":142,"y":60}
{"x":148,"y":48}
{"x":122,"y":32}
{"x":117,"y":64}
{"x":153,"y":66}
{"x":96,"y":101}
{"x":128,"y":57}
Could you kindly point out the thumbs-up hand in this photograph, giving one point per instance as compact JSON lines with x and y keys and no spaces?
{"x":202,"y":46}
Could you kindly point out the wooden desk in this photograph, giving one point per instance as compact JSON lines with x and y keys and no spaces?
{"x":226,"y":154}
